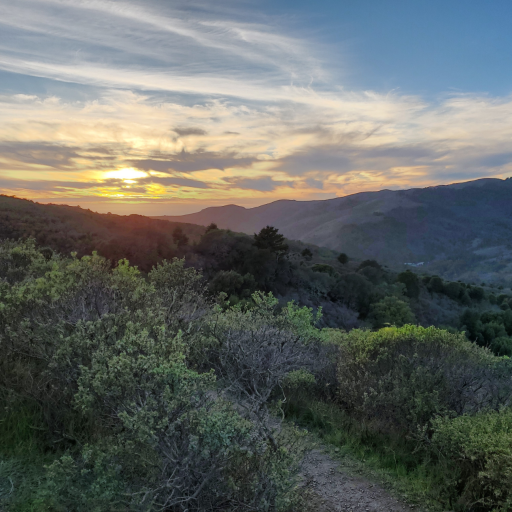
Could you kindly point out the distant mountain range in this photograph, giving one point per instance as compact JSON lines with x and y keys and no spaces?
{"x":461,"y":231}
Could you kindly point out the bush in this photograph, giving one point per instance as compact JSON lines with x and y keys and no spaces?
{"x":399,"y":378}
{"x":477,"y":451}
{"x":412,"y":283}
{"x":117,"y":365}
{"x":343,"y":258}
{"x":322,"y":267}
{"x":390,"y":311}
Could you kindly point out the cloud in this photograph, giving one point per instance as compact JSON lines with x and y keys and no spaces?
{"x":47,"y":185}
{"x":153,"y":46}
{"x":496,"y":160}
{"x":184,"y":132}
{"x":181,"y":182}
{"x":218,"y":104}
{"x":315,"y":183}
{"x":262,"y":184}
{"x":47,"y":154}
{"x":193,"y":162}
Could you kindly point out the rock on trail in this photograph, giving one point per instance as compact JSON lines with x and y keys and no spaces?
{"x":333,"y":490}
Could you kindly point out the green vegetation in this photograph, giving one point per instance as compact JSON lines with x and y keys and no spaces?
{"x":126,"y":392}
{"x":427,"y":407}
{"x":351,"y":293}
{"x":152,"y":389}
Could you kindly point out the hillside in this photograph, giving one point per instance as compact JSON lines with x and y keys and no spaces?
{"x":349,"y":293}
{"x":65,"y":229}
{"x":460,"y":231}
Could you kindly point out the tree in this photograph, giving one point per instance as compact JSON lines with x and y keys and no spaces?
{"x":307,"y":254}
{"x":370,"y":263}
{"x":269,"y":238}
{"x":453,"y":290}
{"x":180,"y":238}
{"x":477,"y":293}
{"x":391,"y":311}
{"x":211,"y":227}
{"x":322,"y":267}
{"x":353,"y":290}
{"x":343,"y":258}
{"x":436,"y":284}
{"x":412,"y":283}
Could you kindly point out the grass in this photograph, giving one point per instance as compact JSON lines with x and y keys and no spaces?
{"x":394,"y":462}
{"x":24,"y":452}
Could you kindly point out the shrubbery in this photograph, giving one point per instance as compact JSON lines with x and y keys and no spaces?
{"x":152,"y":398}
{"x":435,"y":400}
{"x":400,"y":378}
{"x":477,"y":454}
{"x":153,"y":392}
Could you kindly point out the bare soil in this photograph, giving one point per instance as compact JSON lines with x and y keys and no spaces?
{"x":331,"y":488}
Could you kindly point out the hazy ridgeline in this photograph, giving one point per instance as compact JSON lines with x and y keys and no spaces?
{"x":459,"y":231}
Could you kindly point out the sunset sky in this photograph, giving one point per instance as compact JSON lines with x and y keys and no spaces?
{"x":166,"y":107}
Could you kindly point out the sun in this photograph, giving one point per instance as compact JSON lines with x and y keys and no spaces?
{"x":126,"y":174}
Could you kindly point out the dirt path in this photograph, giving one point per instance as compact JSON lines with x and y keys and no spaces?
{"x":332,"y":489}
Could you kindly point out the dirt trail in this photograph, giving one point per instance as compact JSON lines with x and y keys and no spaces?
{"x":332,"y":489}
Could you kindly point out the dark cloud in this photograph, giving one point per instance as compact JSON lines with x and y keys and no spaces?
{"x":56,"y":156}
{"x":48,"y":185}
{"x":496,"y":160}
{"x":191,"y":162}
{"x":51,"y":155}
{"x":315,"y":159}
{"x":315,"y":183}
{"x":342,"y":158}
{"x":58,"y":186}
{"x":184,"y":132}
{"x":263,"y":184}
{"x":181,"y":182}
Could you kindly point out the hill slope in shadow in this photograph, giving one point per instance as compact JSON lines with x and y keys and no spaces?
{"x":462,"y":230}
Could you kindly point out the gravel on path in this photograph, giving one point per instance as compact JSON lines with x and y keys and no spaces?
{"x":331,"y":489}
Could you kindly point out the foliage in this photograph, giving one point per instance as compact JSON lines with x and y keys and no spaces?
{"x":322,"y":267}
{"x":65,"y":229}
{"x":269,"y":238}
{"x":491,"y":329}
{"x":412,"y":283}
{"x":179,"y":237}
{"x":307,"y":254}
{"x":343,"y":258}
{"x":211,"y":227}
{"x":117,"y":364}
{"x":477,"y":451}
{"x":399,"y":378}
{"x":390,"y":311}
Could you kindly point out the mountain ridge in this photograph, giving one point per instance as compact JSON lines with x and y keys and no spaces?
{"x":434,"y":225}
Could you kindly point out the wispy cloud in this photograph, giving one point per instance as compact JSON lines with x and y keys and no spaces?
{"x":212,"y":105}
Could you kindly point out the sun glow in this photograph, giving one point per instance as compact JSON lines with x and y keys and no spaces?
{"x":127,"y":174}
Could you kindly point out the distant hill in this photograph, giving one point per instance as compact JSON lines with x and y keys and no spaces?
{"x":65,"y":229}
{"x":461,"y":231}
{"x":347,"y":291}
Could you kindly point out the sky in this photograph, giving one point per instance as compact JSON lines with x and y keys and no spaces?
{"x":167,"y":107}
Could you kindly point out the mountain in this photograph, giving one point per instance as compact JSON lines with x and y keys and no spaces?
{"x":65,"y":229}
{"x":460,"y":230}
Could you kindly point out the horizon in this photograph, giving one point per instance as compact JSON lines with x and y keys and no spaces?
{"x":157,"y":109}
{"x":245,"y":207}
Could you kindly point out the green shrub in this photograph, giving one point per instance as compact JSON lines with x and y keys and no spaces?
{"x":390,"y":311}
{"x":477,"y":451}
{"x":117,"y":367}
{"x":399,"y":378}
